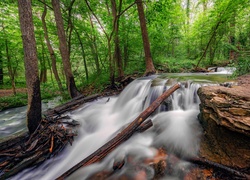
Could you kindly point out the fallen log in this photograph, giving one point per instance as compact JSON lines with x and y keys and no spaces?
{"x":103,"y":151}
{"x":144,"y":126}
{"x":216,"y":166}
{"x":70,"y":105}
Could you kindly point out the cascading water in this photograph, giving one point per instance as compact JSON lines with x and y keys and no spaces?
{"x":13,"y":120}
{"x":175,"y":128}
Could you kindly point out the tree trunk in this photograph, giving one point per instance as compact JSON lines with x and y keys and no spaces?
{"x":70,"y":25}
{"x":50,"y":48}
{"x":73,"y":92}
{"x":43,"y":69}
{"x":1,"y":69}
{"x":117,"y":51}
{"x":93,"y":47}
{"x":188,"y":26}
{"x":83,"y":55}
{"x":10,"y":70}
{"x":232,"y":53}
{"x":150,"y":69}
{"x":109,"y":38}
{"x":209,"y":42}
{"x":31,"y":65}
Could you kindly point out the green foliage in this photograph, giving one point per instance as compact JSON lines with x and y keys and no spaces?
{"x":96,"y":83}
{"x":18,"y":100}
{"x":177,"y":39}
{"x":242,"y":66}
{"x":175,"y":65}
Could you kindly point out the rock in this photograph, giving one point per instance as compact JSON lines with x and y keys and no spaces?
{"x":225,"y":118}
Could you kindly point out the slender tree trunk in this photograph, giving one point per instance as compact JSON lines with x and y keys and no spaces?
{"x":204,"y":5}
{"x":1,"y":68}
{"x":10,"y":70}
{"x":209,"y":42}
{"x":73,"y":92}
{"x":43,"y":70}
{"x":110,"y":57}
{"x":70,"y":25}
{"x":51,"y":51}
{"x":31,"y":65}
{"x":126,"y":54}
{"x":187,"y":27}
{"x":232,"y":53}
{"x":83,"y":55}
{"x":93,"y":46}
{"x":117,"y":51}
{"x":150,"y":69}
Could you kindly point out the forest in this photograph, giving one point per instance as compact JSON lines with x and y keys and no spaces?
{"x":77,"y":48}
{"x":103,"y":39}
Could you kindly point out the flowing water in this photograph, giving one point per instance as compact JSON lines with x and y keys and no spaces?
{"x":176,"y":128}
{"x":12,"y":121}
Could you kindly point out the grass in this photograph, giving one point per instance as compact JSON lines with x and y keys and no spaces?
{"x":48,"y":91}
{"x":20,"y":99}
{"x":175,"y":65}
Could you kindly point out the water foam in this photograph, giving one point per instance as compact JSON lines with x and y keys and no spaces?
{"x":175,"y":127}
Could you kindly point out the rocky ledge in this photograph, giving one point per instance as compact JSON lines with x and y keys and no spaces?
{"x":225,"y":118}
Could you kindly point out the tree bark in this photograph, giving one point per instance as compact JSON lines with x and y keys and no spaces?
{"x":83,"y":55}
{"x":150,"y":69}
{"x":74,"y":103}
{"x":209,"y":42}
{"x":10,"y":70}
{"x":93,"y":46}
{"x":117,"y":51}
{"x":73,"y":92}
{"x":232,"y":53}
{"x":43,"y":69}
{"x":102,"y":152}
{"x":1,"y":69}
{"x":70,"y":24}
{"x":31,"y":65}
{"x":217,"y":166}
{"x":188,"y":26}
{"x":50,"y":48}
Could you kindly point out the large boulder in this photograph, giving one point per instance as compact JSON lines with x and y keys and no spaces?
{"x":225,"y":118}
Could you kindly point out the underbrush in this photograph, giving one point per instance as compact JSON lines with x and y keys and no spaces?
{"x":48,"y":92}
{"x":174,"y":65}
{"x":242,"y":66}
{"x":20,"y":99}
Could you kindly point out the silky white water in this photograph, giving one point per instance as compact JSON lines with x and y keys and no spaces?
{"x":176,"y":128}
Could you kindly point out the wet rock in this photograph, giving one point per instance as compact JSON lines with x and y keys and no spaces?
{"x":225,"y":117}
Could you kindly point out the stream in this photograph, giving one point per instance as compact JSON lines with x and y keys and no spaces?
{"x":176,"y":127}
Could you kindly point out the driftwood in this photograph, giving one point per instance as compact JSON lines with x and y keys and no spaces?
{"x":216,"y":166}
{"x":25,"y":151}
{"x":70,"y":105}
{"x":22,"y":150}
{"x":102,"y":152}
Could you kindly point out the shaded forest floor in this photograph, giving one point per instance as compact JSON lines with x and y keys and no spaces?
{"x":9,"y":92}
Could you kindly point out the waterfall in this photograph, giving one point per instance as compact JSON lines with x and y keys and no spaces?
{"x":175,"y":128}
